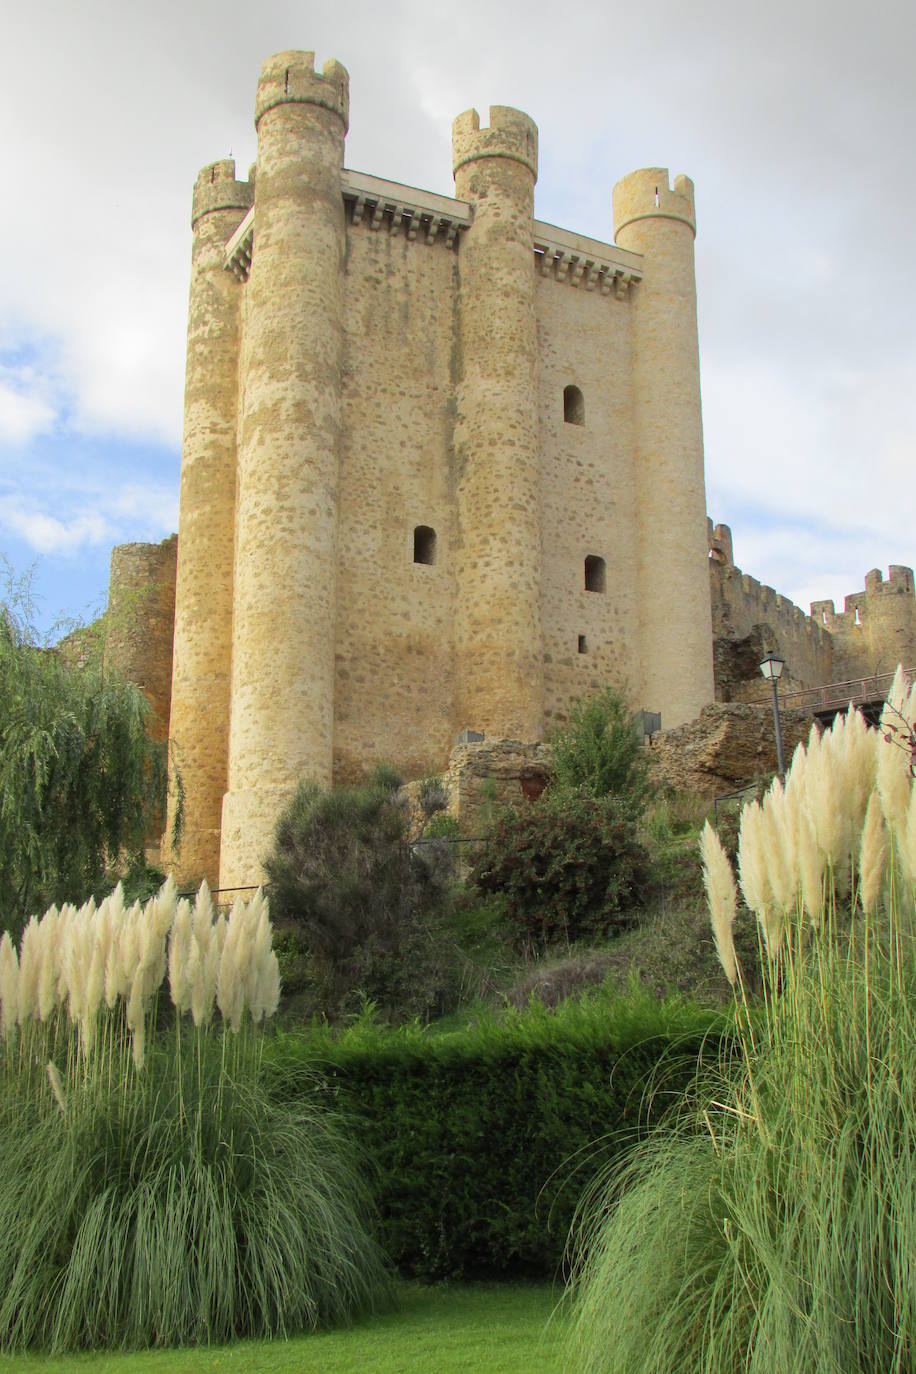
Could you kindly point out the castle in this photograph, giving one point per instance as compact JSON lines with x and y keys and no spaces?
{"x":442,"y":469}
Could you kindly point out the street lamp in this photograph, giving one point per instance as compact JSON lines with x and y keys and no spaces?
{"x":772,"y":667}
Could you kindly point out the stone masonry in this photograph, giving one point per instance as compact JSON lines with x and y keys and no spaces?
{"x":442,"y":470}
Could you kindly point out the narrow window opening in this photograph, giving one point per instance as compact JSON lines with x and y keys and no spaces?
{"x":424,"y":545}
{"x":595,"y":573}
{"x":858,"y":617}
{"x":583,"y":646}
{"x":656,"y":197}
{"x":573,"y":406}
{"x":286,"y":83}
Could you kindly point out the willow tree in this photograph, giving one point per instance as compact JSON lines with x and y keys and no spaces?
{"x":82,"y":782}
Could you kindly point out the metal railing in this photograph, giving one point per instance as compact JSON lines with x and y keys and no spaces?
{"x":836,"y":696}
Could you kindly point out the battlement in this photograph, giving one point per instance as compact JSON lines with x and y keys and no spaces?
{"x":290,"y":78}
{"x":740,"y":602}
{"x":646,"y":194}
{"x":511,"y":134}
{"x":856,"y":606}
{"x":719,"y":539}
{"x":217,"y":189}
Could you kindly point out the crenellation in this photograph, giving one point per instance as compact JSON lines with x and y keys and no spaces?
{"x":290,"y":78}
{"x":217,"y":189}
{"x":442,"y":471}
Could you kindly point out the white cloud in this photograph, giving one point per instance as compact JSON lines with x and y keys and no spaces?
{"x":25,"y":408}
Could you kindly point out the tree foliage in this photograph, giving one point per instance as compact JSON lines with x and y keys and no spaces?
{"x":569,"y":867}
{"x":81,"y":780}
{"x":600,"y":751}
{"x":358,"y":897}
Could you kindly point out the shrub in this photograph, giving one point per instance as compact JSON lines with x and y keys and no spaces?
{"x":569,"y":867}
{"x":774,"y":1228}
{"x":600,"y":751}
{"x":152,"y":1192}
{"x":479,"y":1139}
{"x":361,"y":901}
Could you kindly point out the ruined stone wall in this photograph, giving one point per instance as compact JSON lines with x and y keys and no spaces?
{"x":588,"y":494}
{"x":748,"y":619}
{"x":876,"y":629}
{"x":140,"y":622}
{"x":394,"y":675}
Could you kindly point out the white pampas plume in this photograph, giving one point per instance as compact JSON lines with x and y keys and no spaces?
{"x":9,"y":987}
{"x":780,"y":870}
{"x":270,"y":986}
{"x":129,"y":947}
{"x":861,"y":766}
{"x":722,"y":899}
{"x":893,"y":775}
{"x":160,"y":910}
{"x":873,"y":855}
{"x":823,"y":788}
{"x":203,"y":917}
{"x":180,"y":939}
{"x":811,"y":867}
{"x":30,"y":956}
{"x":136,"y":1018}
{"x":201,"y":1005}
{"x":95,"y":989}
{"x":57,"y":1086}
{"x":754,"y":881}
{"x":68,"y":914}
{"x":48,"y":972}
{"x":230,"y":991}
{"x":751,"y":867}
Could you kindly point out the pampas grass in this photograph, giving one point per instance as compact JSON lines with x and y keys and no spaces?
{"x":771,"y":1225}
{"x":152,"y":1192}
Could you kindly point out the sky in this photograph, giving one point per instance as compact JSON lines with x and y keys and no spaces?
{"x":796,"y":121}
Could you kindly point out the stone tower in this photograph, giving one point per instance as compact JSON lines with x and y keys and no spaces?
{"x":500,"y":686}
{"x":289,"y":440}
{"x":675,"y":629}
{"x":199,"y":717}
{"x":442,"y":465}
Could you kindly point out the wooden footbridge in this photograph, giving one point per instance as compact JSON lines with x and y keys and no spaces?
{"x":867,"y":693}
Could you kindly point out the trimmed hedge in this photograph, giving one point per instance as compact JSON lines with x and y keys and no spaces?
{"x":481,"y":1142}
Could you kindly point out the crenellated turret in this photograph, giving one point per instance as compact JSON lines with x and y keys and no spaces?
{"x":286,"y":528}
{"x":199,"y":716}
{"x":498,"y":643}
{"x":675,"y":632}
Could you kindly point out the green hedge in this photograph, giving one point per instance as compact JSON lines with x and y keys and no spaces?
{"x":481,"y":1142}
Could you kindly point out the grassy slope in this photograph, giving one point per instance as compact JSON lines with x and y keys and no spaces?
{"x":468,"y":1329}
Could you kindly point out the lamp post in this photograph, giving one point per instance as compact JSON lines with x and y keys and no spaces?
{"x":772,"y":667}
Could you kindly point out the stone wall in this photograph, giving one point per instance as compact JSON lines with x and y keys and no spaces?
{"x":139,"y":622}
{"x":725,"y":748}
{"x":876,"y":629}
{"x":749,"y":619}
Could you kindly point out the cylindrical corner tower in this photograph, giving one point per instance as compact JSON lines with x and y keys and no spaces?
{"x":286,"y":525}
{"x":498,"y":644}
{"x":675,"y":625}
{"x":199,"y":716}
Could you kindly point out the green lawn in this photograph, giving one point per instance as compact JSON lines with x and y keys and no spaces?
{"x":467,"y":1328}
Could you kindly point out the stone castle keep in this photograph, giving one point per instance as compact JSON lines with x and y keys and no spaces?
{"x":442,"y":470}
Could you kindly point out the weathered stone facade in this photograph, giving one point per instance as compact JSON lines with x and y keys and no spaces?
{"x":442,"y":467}
{"x":435,"y":452}
{"x":875,"y":631}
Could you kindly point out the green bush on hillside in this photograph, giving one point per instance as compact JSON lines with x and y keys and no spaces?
{"x":363,"y":904}
{"x":569,"y":867}
{"x":600,"y":751}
